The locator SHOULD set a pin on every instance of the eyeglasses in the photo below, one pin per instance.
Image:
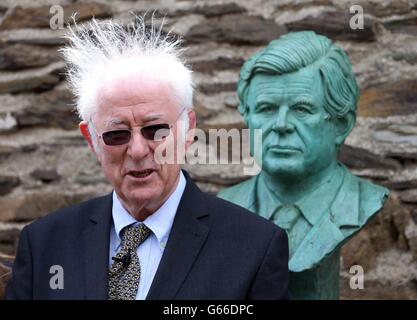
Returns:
(154, 132)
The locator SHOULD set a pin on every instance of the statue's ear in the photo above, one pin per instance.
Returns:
(243, 110)
(245, 119)
(344, 126)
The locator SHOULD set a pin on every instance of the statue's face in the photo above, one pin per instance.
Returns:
(298, 139)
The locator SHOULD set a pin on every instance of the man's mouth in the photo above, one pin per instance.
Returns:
(284, 147)
(285, 150)
(140, 174)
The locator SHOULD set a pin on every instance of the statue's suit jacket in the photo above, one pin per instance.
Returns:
(216, 250)
(317, 257)
(355, 203)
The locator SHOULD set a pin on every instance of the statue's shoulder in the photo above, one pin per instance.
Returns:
(367, 197)
(372, 198)
(240, 193)
(356, 202)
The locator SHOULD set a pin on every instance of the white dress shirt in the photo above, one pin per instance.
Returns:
(151, 250)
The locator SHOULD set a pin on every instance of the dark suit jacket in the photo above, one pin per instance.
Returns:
(216, 250)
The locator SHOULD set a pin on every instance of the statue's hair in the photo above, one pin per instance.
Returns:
(104, 50)
(297, 50)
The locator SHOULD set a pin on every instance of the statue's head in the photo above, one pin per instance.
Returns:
(300, 90)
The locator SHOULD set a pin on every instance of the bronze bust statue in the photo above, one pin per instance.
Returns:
(301, 91)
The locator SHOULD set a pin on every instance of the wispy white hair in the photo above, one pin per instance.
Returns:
(104, 50)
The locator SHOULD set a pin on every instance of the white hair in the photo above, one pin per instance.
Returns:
(107, 49)
(104, 50)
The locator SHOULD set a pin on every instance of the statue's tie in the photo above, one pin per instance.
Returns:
(286, 216)
(124, 273)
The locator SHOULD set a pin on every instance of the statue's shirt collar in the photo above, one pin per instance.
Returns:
(312, 205)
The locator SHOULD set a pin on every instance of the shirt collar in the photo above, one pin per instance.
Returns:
(160, 222)
(310, 204)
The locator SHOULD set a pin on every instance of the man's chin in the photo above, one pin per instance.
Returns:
(284, 171)
(142, 195)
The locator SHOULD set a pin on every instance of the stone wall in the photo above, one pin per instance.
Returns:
(45, 164)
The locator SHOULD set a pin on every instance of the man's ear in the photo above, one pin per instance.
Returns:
(344, 126)
(192, 123)
(86, 134)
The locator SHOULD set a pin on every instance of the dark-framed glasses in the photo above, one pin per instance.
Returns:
(153, 132)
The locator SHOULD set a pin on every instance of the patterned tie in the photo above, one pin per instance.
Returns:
(124, 273)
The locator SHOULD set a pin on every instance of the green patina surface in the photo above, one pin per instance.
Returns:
(300, 90)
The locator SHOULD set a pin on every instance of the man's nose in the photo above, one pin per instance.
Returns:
(281, 124)
(138, 147)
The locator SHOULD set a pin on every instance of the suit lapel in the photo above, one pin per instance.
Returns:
(186, 239)
(96, 249)
(345, 208)
(322, 239)
(336, 224)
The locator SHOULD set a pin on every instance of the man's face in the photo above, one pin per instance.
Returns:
(137, 178)
(297, 139)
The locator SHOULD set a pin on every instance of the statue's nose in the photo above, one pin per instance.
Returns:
(282, 124)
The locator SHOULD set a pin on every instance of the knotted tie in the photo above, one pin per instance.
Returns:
(286, 216)
(124, 273)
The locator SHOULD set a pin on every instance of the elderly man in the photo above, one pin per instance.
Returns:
(156, 236)
(300, 90)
